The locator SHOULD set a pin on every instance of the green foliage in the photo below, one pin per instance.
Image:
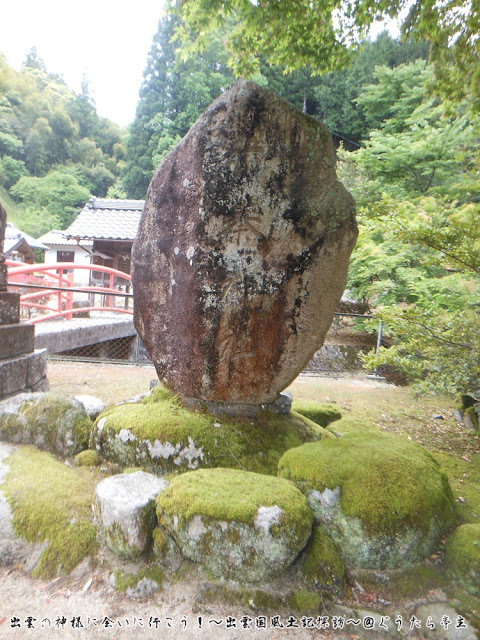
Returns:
(338, 95)
(419, 146)
(46, 129)
(56, 197)
(417, 258)
(322, 34)
(173, 95)
(11, 170)
(288, 34)
(435, 348)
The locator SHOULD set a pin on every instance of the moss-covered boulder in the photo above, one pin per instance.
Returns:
(125, 511)
(320, 565)
(320, 413)
(238, 525)
(470, 417)
(382, 499)
(462, 557)
(87, 458)
(162, 436)
(50, 421)
(51, 503)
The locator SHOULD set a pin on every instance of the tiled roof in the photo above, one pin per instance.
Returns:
(13, 237)
(55, 237)
(108, 219)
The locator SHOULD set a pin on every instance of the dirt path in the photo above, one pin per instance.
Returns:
(104, 613)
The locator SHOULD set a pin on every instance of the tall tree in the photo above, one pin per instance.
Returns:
(44, 124)
(172, 96)
(323, 33)
(417, 257)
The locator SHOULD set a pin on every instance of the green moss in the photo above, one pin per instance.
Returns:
(159, 541)
(160, 394)
(321, 414)
(236, 525)
(401, 584)
(303, 601)
(52, 502)
(50, 421)
(230, 495)
(462, 557)
(465, 401)
(87, 458)
(464, 478)
(472, 414)
(388, 482)
(320, 566)
(261, 600)
(125, 581)
(465, 604)
(351, 425)
(162, 436)
(264, 600)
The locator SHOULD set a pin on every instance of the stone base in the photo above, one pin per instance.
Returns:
(27, 372)
(16, 339)
(9, 307)
(282, 404)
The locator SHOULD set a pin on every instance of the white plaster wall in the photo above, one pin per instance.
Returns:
(81, 276)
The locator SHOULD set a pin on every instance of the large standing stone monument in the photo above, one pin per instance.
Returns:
(21, 367)
(242, 252)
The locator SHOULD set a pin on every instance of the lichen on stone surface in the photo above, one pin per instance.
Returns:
(383, 500)
(236, 524)
(52, 502)
(462, 557)
(162, 436)
(125, 511)
(50, 421)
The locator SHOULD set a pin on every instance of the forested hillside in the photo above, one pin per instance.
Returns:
(175, 92)
(55, 151)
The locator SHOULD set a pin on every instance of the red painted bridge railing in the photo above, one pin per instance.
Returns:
(51, 289)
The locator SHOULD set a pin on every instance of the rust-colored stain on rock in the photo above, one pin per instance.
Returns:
(242, 251)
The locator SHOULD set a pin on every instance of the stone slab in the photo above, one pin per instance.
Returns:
(18, 374)
(62, 335)
(16, 339)
(37, 369)
(9, 307)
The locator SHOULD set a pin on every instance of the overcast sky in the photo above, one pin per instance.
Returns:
(107, 40)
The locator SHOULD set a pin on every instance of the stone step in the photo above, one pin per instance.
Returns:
(27, 372)
(16, 339)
